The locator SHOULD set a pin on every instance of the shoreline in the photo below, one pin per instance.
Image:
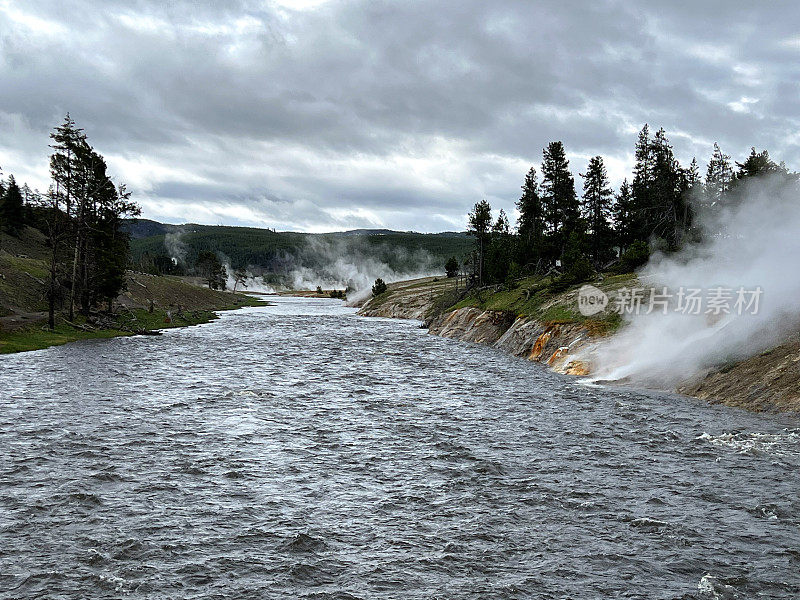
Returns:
(150, 303)
(35, 336)
(768, 382)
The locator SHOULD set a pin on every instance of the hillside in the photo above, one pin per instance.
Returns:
(149, 302)
(279, 252)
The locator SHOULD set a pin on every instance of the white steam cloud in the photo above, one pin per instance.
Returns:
(759, 246)
(175, 247)
(251, 282)
(340, 264)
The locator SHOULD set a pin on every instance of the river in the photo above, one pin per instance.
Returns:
(301, 451)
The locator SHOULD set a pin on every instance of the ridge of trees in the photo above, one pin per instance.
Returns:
(558, 231)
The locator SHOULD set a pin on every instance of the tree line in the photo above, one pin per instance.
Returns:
(560, 232)
(81, 215)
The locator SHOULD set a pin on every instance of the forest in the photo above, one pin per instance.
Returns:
(570, 236)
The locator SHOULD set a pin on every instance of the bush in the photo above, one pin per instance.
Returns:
(451, 267)
(577, 267)
(379, 287)
(514, 273)
(637, 254)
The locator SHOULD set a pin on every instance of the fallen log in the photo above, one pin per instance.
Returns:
(79, 326)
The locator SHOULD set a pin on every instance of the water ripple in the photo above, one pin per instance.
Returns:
(299, 451)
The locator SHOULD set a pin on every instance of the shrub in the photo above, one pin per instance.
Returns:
(637, 254)
(451, 267)
(379, 287)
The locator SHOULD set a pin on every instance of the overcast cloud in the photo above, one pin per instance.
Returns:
(326, 115)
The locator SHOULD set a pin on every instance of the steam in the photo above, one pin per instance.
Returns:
(353, 264)
(175, 247)
(331, 263)
(755, 242)
(251, 283)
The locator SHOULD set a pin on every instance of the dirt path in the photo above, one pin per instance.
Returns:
(21, 319)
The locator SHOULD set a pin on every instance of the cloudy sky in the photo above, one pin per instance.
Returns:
(320, 115)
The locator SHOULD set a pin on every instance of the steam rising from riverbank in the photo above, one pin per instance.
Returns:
(347, 263)
(755, 243)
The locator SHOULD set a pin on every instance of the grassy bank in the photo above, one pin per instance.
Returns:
(23, 306)
(541, 298)
(38, 336)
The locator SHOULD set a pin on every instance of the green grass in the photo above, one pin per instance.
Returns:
(534, 297)
(37, 337)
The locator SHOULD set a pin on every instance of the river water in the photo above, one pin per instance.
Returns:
(300, 451)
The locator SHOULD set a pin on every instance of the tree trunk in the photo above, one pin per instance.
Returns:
(480, 265)
(74, 278)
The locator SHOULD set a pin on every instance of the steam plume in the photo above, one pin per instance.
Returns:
(759, 246)
(175, 247)
(346, 263)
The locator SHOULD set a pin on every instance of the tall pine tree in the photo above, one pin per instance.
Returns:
(670, 214)
(498, 256)
(719, 176)
(479, 225)
(561, 207)
(596, 206)
(531, 224)
(625, 219)
(641, 187)
(758, 164)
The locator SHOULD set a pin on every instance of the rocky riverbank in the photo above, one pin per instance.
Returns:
(768, 382)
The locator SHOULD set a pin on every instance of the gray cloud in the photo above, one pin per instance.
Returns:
(374, 113)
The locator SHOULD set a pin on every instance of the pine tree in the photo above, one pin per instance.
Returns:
(379, 287)
(596, 207)
(66, 165)
(212, 270)
(480, 222)
(93, 211)
(641, 187)
(693, 179)
(67, 142)
(561, 206)
(12, 208)
(719, 176)
(658, 191)
(670, 215)
(531, 223)
(112, 244)
(624, 217)
(498, 256)
(451, 267)
(757, 165)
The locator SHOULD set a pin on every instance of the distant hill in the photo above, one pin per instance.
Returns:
(142, 228)
(280, 251)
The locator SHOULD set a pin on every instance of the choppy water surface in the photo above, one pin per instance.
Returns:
(299, 451)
